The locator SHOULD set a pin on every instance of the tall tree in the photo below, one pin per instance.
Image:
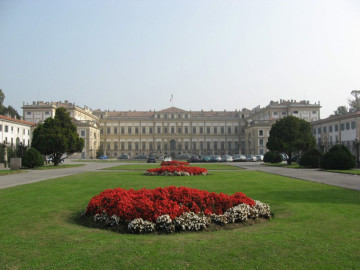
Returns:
(57, 137)
(341, 110)
(9, 110)
(354, 102)
(290, 134)
(2, 97)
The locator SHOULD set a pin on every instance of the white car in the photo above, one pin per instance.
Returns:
(167, 159)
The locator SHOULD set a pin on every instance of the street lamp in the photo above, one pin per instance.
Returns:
(356, 143)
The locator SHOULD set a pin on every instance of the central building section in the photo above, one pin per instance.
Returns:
(172, 131)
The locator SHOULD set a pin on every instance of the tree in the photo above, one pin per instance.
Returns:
(341, 110)
(354, 103)
(57, 136)
(290, 134)
(9, 110)
(2, 97)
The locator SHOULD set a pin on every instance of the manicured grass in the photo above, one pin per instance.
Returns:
(60, 166)
(292, 165)
(143, 167)
(110, 160)
(354, 171)
(8, 172)
(315, 226)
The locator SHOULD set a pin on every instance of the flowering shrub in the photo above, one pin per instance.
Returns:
(174, 163)
(171, 209)
(179, 170)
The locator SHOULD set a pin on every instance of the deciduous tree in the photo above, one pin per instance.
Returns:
(57, 137)
(290, 134)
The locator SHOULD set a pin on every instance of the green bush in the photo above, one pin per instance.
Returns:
(272, 157)
(32, 158)
(338, 158)
(311, 158)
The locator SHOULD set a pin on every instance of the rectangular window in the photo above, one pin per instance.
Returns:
(129, 130)
(222, 130)
(330, 128)
(122, 130)
(229, 145)
(172, 130)
(108, 130)
(208, 145)
(261, 142)
(108, 146)
(136, 131)
(314, 131)
(47, 113)
(296, 112)
(194, 145)
(194, 130)
(342, 126)
(236, 130)
(186, 130)
(179, 130)
(324, 129)
(151, 146)
(229, 130)
(136, 146)
(222, 145)
(115, 130)
(275, 113)
(313, 112)
(129, 145)
(353, 125)
(166, 116)
(28, 113)
(172, 116)
(186, 116)
(101, 131)
(201, 130)
(143, 130)
(283, 113)
(0, 127)
(143, 146)
(215, 146)
(165, 130)
(122, 146)
(115, 146)
(215, 130)
(83, 133)
(150, 130)
(319, 130)
(261, 132)
(347, 125)
(201, 145)
(336, 128)
(208, 130)
(6, 128)
(158, 130)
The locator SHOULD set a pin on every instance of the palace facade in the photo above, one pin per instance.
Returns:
(174, 131)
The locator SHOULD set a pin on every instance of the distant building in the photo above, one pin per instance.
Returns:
(87, 124)
(337, 129)
(14, 131)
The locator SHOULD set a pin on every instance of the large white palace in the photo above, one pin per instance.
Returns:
(173, 130)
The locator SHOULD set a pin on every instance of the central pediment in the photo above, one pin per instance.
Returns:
(172, 110)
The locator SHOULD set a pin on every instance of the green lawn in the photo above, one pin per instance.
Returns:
(60, 166)
(315, 226)
(292, 165)
(8, 172)
(143, 167)
(353, 171)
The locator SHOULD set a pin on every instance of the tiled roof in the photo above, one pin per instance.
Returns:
(16, 120)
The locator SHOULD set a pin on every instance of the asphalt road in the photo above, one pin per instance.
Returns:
(336, 179)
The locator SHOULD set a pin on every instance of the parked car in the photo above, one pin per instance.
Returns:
(251, 158)
(167, 159)
(123, 157)
(238, 158)
(151, 159)
(183, 157)
(205, 159)
(227, 158)
(295, 158)
(194, 159)
(215, 158)
(284, 156)
(103, 157)
(259, 157)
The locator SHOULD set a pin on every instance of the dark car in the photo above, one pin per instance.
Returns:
(205, 159)
(103, 157)
(194, 159)
(123, 157)
(151, 159)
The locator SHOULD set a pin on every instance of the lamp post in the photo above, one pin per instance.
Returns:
(356, 143)
(323, 146)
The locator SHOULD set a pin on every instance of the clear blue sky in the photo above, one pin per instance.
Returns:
(132, 55)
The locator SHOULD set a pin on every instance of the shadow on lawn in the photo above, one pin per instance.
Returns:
(340, 196)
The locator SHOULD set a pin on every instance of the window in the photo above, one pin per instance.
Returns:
(261, 132)
(208, 130)
(150, 130)
(353, 125)
(222, 130)
(143, 130)
(137, 146)
(194, 130)
(342, 126)
(201, 145)
(347, 126)
(179, 116)
(215, 130)
(336, 128)
(151, 146)
(229, 145)
(129, 145)
(0, 127)
(166, 116)
(101, 131)
(186, 130)
(28, 113)
(172, 130)
(319, 130)
(165, 146)
(194, 145)
(115, 130)
(129, 130)
(108, 130)
(158, 115)
(330, 128)
(222, 145)
(314, 131)
(83, 133)
(208, 145)
(313, 112)
(261, 142)
(215, 145)
(283, 113)
(172, 116)
(108, 146)
(186, 145)
(236, 130)
(47, 113)
(275, 113)
(158, 130)
(229, 130)
(136, 131)
(165, 130)
(143, 146)
(122, 130)
(115, 146)
(186, 116)
(201, 130)
(179, 130)
(295, 112)
(324, 129)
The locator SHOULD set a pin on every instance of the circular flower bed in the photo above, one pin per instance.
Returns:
(171, 209)
(179, 170)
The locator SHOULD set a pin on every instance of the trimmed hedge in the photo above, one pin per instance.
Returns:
(338, 158)
(272, 157)
(32, 158)
(311, 158)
